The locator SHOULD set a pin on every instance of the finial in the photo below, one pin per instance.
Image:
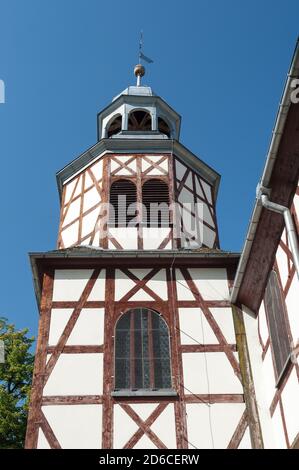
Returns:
(139, 72)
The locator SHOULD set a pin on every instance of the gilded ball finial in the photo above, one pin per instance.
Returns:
(139, 70)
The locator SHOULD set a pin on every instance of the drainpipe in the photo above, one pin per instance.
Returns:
(288, 220)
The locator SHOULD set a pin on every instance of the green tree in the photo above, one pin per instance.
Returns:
(15, 381)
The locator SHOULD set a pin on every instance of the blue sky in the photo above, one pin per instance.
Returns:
(220, 64)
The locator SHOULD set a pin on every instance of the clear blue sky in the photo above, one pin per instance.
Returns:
(220, 64)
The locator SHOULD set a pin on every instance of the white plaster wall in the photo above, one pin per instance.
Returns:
(164, 427)
(76, 426)
(208, 237)
(123, 428)
(209, 373)
(76, 374)
(155, 171)
(153, 237)
(42, 442)
(207, 190)
(91, 198)
(70, 235)
(280, 441)
(212, 427)
(70, 283)
(196, 329)
(290, 402)
(263, 327)
(282, 262)
(246, 441)
(211, 282)
(88, 329)
(263, 377)
(292, 308)
(126, 237)
(98, 290)
(89, 222)
(73, 212)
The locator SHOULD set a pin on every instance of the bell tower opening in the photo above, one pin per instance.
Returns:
(163, 127)
(115, 126)
(140, 121)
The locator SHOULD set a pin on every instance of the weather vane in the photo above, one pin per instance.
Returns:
(141, 56)
(139, 69)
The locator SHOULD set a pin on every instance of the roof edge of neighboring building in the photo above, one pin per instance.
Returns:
(277, 133)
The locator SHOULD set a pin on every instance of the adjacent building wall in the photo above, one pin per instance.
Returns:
(278, 403)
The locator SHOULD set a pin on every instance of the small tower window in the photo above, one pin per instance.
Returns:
(142, 352)
(115, 126)
(163, 127)
(123, 203)
(140, 121)
(155, 200)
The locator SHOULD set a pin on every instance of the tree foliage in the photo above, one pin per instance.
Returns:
(15, 381)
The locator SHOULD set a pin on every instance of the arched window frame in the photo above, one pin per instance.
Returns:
(132, 386)
(147, 114)
(110, 122)
(168, 125)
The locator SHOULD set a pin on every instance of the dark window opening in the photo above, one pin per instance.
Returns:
(276, 315)
(123, 203)
(140, 121)
(142, 352)
(155, 200)
(163, 127)
(115, 126)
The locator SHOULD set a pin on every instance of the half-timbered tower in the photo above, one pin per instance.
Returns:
(138, 346)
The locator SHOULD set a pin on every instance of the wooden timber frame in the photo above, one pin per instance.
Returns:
(44, 267)
(102, 183)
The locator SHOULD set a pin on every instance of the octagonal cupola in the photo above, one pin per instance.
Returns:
(137, 112)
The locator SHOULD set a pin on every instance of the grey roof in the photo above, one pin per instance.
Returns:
(136, 91)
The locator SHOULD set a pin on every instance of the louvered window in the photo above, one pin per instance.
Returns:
(155, 200)
(123, 203)
(276, 315)
(142, 353)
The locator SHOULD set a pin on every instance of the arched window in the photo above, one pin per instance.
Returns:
(163, 127)
(276, 315)
(115, 126)
(123, 200)
(140, 121)
(155, 200)
(142, 352)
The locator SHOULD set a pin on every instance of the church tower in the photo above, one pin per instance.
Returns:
(138, 344)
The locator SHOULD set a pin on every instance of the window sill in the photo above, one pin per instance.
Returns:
(145, 393)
